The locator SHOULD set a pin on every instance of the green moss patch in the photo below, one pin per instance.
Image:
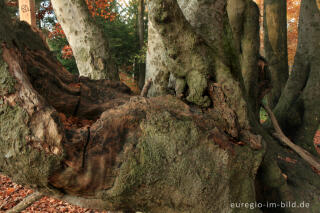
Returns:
(7, 82)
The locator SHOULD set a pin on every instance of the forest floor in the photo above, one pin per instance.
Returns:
(11, 193)
(129, 81)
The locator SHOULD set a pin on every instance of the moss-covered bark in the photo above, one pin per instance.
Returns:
(197, 56)
(151, 155)
(139, 155)
(27, 165)
(187, 56)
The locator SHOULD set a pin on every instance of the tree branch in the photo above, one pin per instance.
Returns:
(281, 136)
(26, 202)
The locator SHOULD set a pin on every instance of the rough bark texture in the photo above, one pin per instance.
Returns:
(298, 108)
(155, 63)
(275, 44)
(89, 45)
(152, 155)
(197, 55)
(156, 58)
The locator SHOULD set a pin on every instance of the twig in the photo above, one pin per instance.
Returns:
(4, 202)
(26, 202)
(146, 88)
(281, 136)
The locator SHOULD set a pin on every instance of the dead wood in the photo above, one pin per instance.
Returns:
(314, 162)
(26, 202)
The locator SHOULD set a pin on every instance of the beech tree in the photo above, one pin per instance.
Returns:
(141, 35)
(298, 107)
(90, 48)
(199, 150)
(275, 44)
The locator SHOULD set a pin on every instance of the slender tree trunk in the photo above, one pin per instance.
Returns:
(244, 19)
(89, 45)
(141, 29)
(275, 44)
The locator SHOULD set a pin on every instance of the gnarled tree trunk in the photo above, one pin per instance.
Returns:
(138, 154)
(156, 155)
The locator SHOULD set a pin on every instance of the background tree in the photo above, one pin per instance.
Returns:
(90, 48)
(275, 45)
(298, 107)
(117, 23)
(293, 10)
(141, 32)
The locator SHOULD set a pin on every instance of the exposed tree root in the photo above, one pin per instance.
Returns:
(281, 136)
(146, 87)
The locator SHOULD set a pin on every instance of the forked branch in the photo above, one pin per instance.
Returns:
(309, 158)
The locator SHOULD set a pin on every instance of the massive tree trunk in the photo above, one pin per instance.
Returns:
(159, 154)
(89, 45)
(138, 153)
(298, 109)
(275, 44)
(153, 155)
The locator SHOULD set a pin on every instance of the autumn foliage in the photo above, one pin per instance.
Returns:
(101, 8)
(293, 9)
(12, 3)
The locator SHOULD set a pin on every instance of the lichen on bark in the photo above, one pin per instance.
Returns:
(7, 82)
(26, 165)
(182, 162)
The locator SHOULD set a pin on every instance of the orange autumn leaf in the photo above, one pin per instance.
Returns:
(9, 191)
(100, 8)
